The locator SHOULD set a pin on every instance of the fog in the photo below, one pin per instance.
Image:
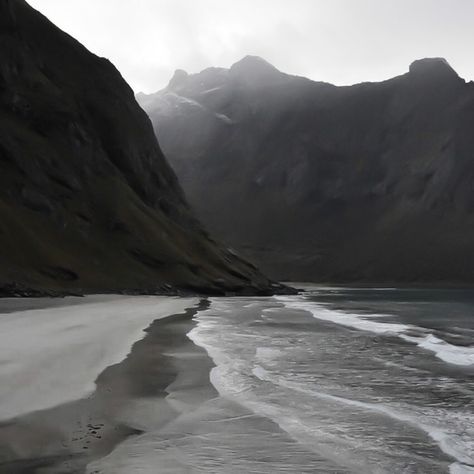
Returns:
(339, 41)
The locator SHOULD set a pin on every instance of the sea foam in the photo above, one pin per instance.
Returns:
(457, 355)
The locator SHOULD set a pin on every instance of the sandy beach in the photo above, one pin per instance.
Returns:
(154, 408)
(55, 422)
(140, 385)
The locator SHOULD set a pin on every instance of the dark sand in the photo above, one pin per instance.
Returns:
(66, 438)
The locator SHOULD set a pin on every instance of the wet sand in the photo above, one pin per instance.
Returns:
(196, 429)
(66, 438)
(156, 411)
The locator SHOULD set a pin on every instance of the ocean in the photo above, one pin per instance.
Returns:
(335, 380)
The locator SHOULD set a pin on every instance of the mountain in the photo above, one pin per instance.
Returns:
(88, 202)
(366, 183)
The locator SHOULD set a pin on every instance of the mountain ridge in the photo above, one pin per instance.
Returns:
(372, 180)
(88, 202)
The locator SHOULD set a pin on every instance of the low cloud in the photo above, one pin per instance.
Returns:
(338, 41)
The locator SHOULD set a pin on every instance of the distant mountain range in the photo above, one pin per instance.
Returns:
(367, 183)
(88, 202)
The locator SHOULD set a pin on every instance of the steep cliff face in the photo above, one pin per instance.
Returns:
(88, 202)
(372, 182)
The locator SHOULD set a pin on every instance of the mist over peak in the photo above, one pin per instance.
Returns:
(256, 71)
(179, 78)
(253, 68)
(251, 63)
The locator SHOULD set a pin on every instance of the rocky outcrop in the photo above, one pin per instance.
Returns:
(367, 183)
(88, 202)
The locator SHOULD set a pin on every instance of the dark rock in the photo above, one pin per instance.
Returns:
(367, 183)
(430, 68)
(88, 202)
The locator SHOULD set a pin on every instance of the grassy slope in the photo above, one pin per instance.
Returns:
(87, 200)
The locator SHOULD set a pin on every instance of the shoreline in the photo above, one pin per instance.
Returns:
(67, 437)
(383, 285)
(162, 406)
(283, 287)
(208, 430)
(14, 290)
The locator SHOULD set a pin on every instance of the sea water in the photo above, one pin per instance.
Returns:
(332, 380)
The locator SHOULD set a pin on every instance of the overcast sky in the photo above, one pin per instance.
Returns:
(338, 41)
